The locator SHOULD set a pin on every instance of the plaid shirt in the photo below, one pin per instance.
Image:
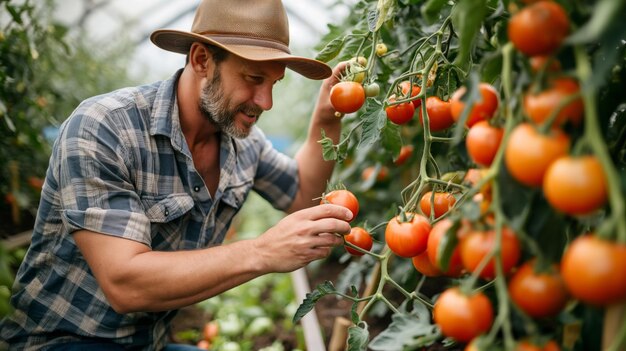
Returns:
(121, 166)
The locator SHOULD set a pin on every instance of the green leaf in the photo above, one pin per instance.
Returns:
(385, 9)
(405, 330)
(353, 313)
(374, 121)
(311, 298)
(390, 138)
(432, 9)
(329, 153)
(605, 14)
(331, 50)
(467, 17)
(358, 338)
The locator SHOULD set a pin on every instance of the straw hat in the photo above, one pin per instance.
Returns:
(256, 30)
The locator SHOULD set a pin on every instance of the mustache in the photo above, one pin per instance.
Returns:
(251, 109)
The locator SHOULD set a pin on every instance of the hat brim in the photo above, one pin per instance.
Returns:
(180, 42)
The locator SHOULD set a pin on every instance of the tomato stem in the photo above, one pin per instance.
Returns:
(594, 137)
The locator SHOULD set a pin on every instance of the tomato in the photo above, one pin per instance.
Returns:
(347, 97)
(528, 154)
(355, 72)
(35, 182)
(593, 270)
(360, 60)
(407, 235)
(405, 153)
(439, 114)
(442, 203)
(381, 176)
(539, 28)
(415, 90)
(455, 266)
(381, 49)
(483, 109)
(482, 142)
(477, 244)
(203, 345)
(343, 198)
(463, 317)
(575, 185)
(400, 113)
(551, 64)
(372, 90)
(527, 345)
(423, 265)
(210, 330)
(361, 238)
(538, 294)
(538, 107)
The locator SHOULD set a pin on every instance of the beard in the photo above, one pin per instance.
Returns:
(216, 107)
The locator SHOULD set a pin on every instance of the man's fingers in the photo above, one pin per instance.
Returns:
(327, 211)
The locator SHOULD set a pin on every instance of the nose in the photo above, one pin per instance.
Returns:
(263, 97)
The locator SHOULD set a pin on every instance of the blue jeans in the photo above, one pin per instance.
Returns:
(103, 346)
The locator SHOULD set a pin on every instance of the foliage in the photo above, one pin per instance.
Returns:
(443, 46)
(45, 71)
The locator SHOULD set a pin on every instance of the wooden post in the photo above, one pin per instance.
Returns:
(339, 337)
(614, 320)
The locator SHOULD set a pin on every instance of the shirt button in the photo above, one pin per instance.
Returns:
(167, 212)
(196, 188)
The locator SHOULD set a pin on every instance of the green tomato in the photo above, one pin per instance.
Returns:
(260, 325)
(372, 90)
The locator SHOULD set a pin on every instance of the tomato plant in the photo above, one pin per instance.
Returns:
(405, 153)
(347, 97)
(342, 197)
(407, 234)
(463, 317)
(361, 238)
(524, 91)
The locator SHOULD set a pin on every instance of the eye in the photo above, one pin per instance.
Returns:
(256, 79)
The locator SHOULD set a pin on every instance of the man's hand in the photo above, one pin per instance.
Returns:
(302, 237)
(324, 112)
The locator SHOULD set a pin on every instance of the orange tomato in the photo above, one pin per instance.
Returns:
(538, 107)
(482, 109)
(539, 28)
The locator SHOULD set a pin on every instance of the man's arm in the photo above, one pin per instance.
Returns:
(313, 171)
(135, 278)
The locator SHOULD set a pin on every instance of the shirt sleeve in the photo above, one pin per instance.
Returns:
(94, 176)
(276, 179)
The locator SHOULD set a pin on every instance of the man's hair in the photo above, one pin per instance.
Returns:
(218, 54)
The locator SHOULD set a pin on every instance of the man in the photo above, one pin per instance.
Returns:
(143, 183)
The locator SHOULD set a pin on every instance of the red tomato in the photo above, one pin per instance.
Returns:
(439, 114)
(463, 317)
(538, 62)
(483, 142)
(483, 109)
(400, 113)
(575, 185)
(538, 107)
(455, 266)
(478, 244)
(593, 270)
(527, 345)
(528, 154)
(361, 238)
(538, 294)
(423, 265)
(343, 198)
(405, 153)
(407, 237)
(383, 173)
(347, 97)
(539, 28)
(210, 331)
(442, 203)
(415, 90)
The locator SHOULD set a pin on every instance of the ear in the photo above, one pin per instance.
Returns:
(200, 59)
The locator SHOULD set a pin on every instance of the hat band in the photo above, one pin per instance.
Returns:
(247, 41)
